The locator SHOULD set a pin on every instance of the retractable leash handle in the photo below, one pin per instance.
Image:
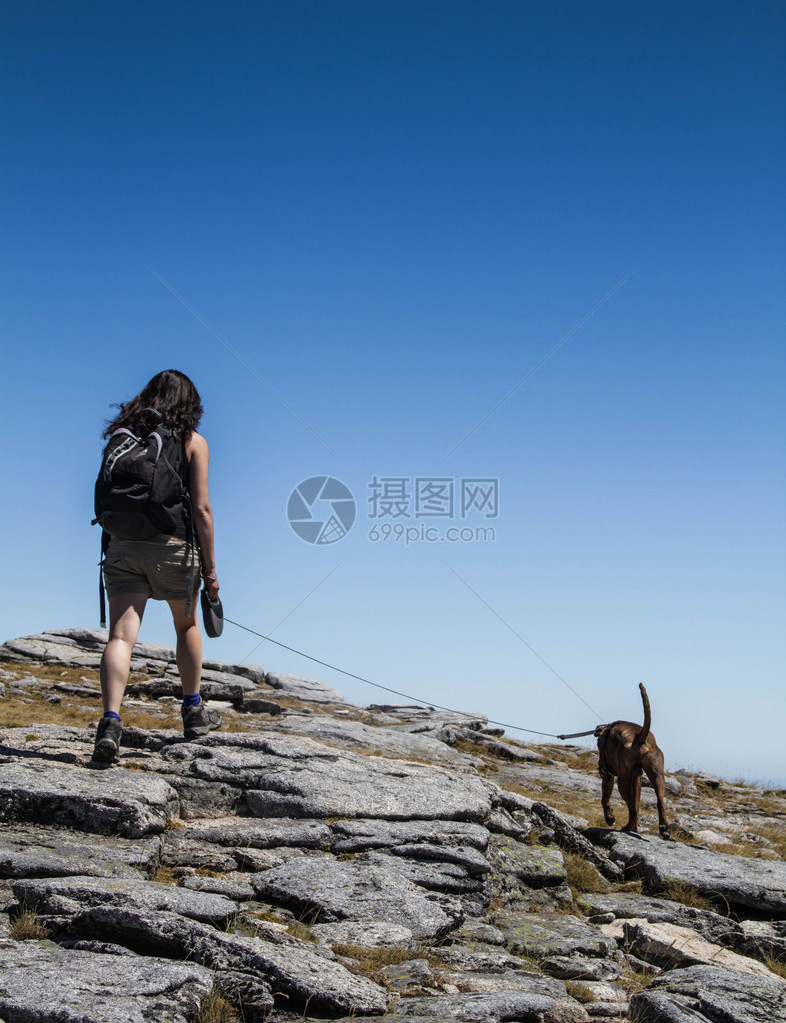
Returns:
(212, 615)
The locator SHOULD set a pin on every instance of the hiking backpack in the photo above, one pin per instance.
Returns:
(141, 490)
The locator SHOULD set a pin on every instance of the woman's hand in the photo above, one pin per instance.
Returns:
(211, 586)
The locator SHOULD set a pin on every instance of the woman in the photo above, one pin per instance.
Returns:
(162, 566)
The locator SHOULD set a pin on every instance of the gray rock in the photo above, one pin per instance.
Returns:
(672, 947)
(567, 837)
(706, 779)
(107, 802)
(49, 742)
(739, 880)
(485, 981)
(656, 1007)
(605, 1010)
(436, 877)
(538, 778)
(200, 799)
(33, 851)
(54, 650)
(306, 689)
(41, 984)
(362, 835)
(511, 801)
(351, 890)
(106, 947)
(354, 786)
(237, 888)
(2, 691)
(581, 968)
(420, 718)
(496, 747)
(10, 656)
(253, 672)
(761, 938)
(297, 968)
(288, 776)
(550, 934)
(607, 994)
(366, 934)
(256, 860)
(391, 742)
(185, 851)
(59, 895)
(251, 832)
(226, 678)
(469, 960)
(499, 1007)
(90, 639)
(479, 931)
(411, 973)
(470, 860)
(537, 866)
(221, 686)
(256, 702)
(90, 691)
(625, 905)
(504, 823)
(713, 994)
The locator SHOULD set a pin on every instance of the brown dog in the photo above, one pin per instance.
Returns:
(624, 751)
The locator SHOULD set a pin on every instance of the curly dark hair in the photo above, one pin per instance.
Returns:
(172, 394)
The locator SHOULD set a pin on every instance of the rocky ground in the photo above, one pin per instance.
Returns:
(320, 861)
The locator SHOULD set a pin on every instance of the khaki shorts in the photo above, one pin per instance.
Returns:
(161, 569)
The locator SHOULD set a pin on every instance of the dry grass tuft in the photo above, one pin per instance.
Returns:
(14, 713)
(636, 887)
(301, 931)
(582, 875)
(150, 720)
(633, 980)
(166, 875)
(369, 961)
(50, 672)
(579, 990)
(776, 965)
(678, 891)
(216, 1009)
(775, 841)
(27, 927)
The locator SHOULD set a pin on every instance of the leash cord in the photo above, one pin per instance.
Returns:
(387, 689)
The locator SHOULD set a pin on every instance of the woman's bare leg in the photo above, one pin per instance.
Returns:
(189, 646)
(125, 618)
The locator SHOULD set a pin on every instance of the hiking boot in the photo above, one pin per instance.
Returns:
(198, 721)
(107, 740)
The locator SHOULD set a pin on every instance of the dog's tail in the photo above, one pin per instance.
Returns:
(641, 736)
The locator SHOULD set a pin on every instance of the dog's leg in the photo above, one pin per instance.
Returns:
(658, 784)
(607, 787)
(630, 790)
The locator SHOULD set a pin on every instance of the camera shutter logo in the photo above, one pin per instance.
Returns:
(321, 510)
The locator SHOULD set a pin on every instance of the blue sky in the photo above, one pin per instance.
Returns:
(392, 213)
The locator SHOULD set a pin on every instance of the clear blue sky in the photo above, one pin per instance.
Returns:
(393, 212)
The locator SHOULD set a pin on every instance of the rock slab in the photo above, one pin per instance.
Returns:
(41, 984)
(741, 881)
(710, 993)
(106, 802)
(330, 890)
